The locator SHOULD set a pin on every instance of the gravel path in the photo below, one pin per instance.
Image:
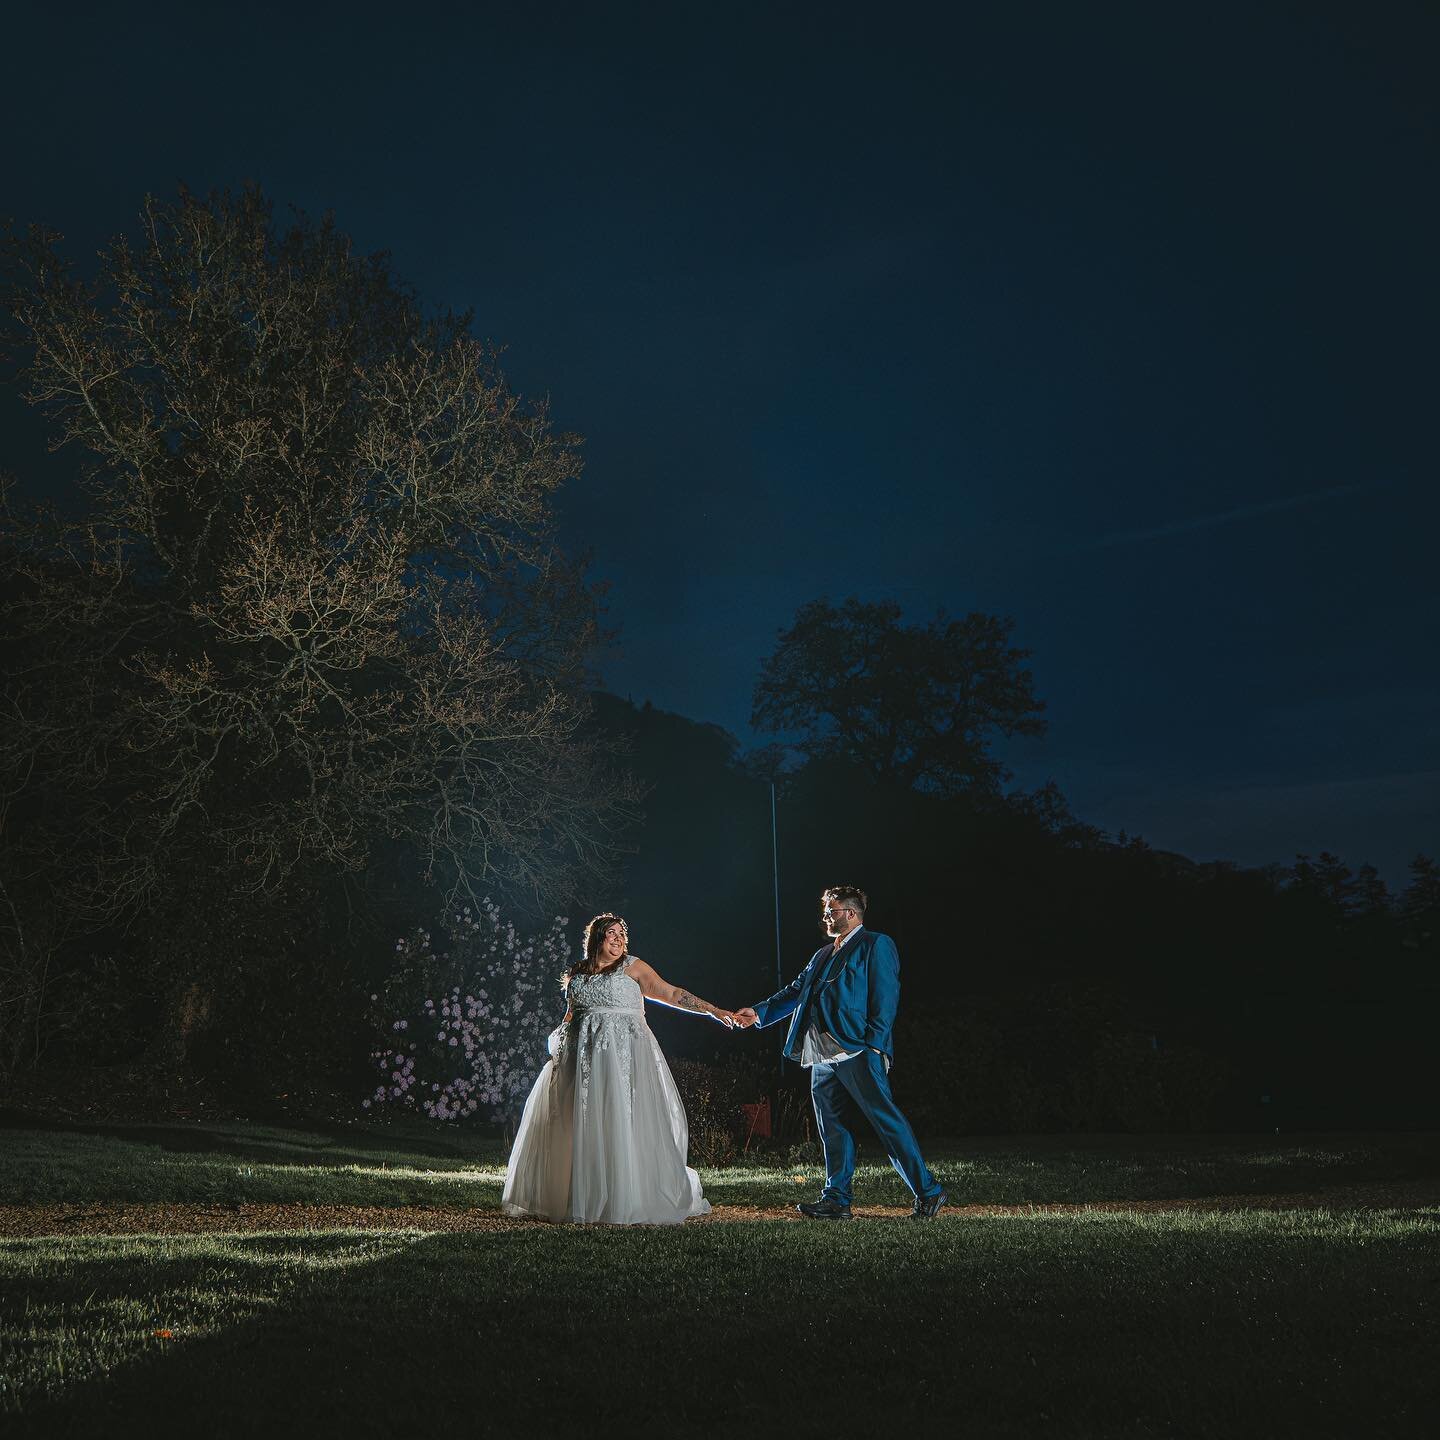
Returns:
(33, 1221)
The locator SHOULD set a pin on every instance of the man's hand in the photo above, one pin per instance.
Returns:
(745, 1017)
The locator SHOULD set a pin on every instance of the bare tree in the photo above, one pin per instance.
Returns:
(314, 605)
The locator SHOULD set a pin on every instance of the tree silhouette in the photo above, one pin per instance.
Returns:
(1328, 878)
(1372, 895)
(918, 706)
(1422, 895)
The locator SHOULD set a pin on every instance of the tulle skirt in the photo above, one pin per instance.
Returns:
(603, 1137)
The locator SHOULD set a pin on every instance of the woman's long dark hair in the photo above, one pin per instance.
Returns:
(589, 963)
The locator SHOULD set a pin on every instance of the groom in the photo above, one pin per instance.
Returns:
(843, 1003)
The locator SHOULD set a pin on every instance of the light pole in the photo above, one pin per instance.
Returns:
(775, 871)
(775, 877)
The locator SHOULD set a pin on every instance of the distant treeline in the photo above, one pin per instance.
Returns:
(1052, 977)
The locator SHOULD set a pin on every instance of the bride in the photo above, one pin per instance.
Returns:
(603, 1136)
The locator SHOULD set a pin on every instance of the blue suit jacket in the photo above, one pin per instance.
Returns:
(853, 995)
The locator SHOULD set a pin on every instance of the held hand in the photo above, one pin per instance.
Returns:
(745, 1017)
(725, 1018)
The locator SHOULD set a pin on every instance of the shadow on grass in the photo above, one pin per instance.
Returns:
(1275, 1326)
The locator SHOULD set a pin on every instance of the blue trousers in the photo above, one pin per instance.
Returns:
(860, 1083)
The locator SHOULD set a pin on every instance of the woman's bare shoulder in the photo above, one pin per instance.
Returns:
(640, 972)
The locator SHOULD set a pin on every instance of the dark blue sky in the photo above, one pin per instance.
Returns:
(1118, 319)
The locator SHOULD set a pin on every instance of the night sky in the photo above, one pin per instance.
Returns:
(1117, 319)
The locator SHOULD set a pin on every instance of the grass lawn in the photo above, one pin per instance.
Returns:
(1315, 1322)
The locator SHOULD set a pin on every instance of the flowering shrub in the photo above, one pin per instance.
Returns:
(467, 1027)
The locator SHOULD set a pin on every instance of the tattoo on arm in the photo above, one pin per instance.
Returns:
(684, 1000)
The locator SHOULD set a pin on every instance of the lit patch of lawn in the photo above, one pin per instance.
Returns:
(47, 1167)
(263, 1165)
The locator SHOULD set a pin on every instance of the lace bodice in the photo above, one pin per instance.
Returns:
(612, 990)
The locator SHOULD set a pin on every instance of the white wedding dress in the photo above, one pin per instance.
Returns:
(603, 1137)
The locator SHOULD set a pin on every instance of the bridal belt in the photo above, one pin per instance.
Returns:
(608, 1010)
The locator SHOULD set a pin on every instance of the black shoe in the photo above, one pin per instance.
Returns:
(823, 1209)
(929, 1208)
